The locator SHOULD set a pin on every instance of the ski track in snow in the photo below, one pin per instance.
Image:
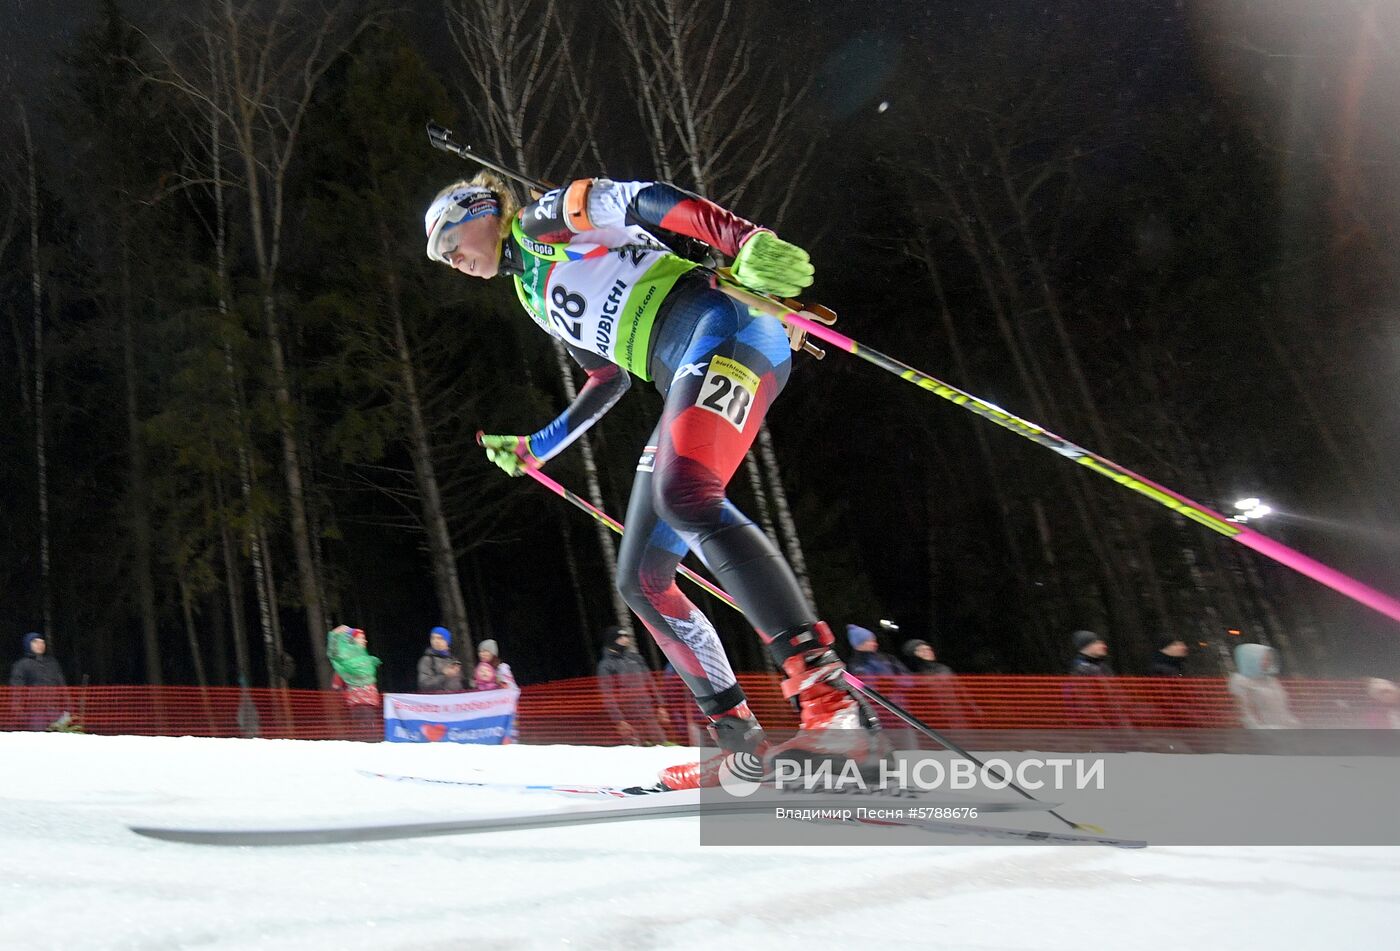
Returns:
(73, 877)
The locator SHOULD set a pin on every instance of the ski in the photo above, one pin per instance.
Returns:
(659, 805)
(577, 790)
(586, 791)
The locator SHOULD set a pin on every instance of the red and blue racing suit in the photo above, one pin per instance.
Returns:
(589, 269)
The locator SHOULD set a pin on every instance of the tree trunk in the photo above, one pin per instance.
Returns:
(606, 545)
(191, 631)
(265, 227)
(585, 624)
(41, 457)
(760, 498)
(267, 601)
(140, 513)
(310, 586)
(792, 542)
(440, 551)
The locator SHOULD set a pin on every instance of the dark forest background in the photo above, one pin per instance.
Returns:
(238, 402)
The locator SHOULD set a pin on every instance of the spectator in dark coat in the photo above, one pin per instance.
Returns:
(438, 670)
(944, 697)
(922, 660)
(1170, 657)
(629, 693)
(1093, 702)
(868, 660)
(37, 668)
(1092, 657)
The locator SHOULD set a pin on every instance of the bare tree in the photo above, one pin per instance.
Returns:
(514, 62)
(207, 168)
(695, 68)
(36, 286)
(272, 57)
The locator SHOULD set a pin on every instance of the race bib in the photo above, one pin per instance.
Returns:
(728, 390)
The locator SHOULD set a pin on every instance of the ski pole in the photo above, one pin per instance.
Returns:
(871, 693)
(616, 526)
(856, 684)
(1195, 511)
(816, 323)
(579, 502)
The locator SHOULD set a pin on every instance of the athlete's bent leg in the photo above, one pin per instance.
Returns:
(708, 425)
(651, 551)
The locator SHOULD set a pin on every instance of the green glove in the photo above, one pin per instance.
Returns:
(511, 453)
(768, 264)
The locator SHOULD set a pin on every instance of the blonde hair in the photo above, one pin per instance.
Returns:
(510, 205)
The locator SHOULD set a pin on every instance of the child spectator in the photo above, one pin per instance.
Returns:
(491, 672)
(356, 672)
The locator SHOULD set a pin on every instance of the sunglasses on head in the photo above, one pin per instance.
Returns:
(467, 209)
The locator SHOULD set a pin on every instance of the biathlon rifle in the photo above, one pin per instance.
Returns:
(440, 137)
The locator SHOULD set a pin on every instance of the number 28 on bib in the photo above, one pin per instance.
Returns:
(728, 390)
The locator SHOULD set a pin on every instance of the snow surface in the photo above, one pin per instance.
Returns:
(73, 877)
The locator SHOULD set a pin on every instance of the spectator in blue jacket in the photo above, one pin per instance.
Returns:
(868, 660)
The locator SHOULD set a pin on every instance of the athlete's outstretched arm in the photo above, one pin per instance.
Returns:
(606, 384)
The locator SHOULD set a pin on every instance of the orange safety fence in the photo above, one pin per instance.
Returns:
(580, 711)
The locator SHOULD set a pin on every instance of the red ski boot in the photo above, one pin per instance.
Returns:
(739, 735)
(836, 724)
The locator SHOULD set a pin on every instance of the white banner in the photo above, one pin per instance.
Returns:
(484, 716)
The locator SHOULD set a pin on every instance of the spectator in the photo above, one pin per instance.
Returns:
(438, 670)
(922, 659)
(1262, 702)
(868, 660)
(629, 692)
(1384, 713)
(1092, 657)
(37, 668)
(1170, 657)
(356, 672)
(945, 699)
(1093, 703)
(491, 673)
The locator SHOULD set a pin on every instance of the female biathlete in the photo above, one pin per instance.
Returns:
(589, 267)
